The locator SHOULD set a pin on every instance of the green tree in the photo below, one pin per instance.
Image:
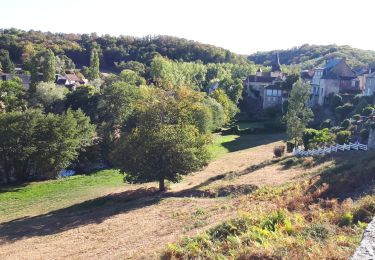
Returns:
(12, 94)
(49, 67)
(164, 144)
(132, 78)
(229, 107)
(6, 63)
(46, 93)
(298, 114)
(94, 64)
(38, 146)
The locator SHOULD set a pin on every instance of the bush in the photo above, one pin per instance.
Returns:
(335, 101)
(356, 117)
(232, 227)
(289, 146)
(361, 105)
(343, 136)
(345, 123)
(273, 220)
(346, 219)
(278, 151)
(364, 134)
(317, 232)
(344, 111)
(367, 111)
(326, 123)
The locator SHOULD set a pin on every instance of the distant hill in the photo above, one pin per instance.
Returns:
(309, 56)
(113, 49)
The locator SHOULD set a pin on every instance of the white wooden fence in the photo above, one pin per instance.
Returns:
(331, 149)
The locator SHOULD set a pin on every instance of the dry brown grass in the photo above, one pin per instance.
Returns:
(123, 228)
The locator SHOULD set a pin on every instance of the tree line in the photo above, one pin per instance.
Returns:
(113, 50)
(154, 124)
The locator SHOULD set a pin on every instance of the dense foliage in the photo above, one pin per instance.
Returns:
(309, 56)
(34, 145)
(113, 50)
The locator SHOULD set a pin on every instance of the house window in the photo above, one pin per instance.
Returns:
(269, 92)
(353, 83)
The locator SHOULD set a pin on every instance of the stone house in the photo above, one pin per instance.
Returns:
(264, 87)
(333, 78)
(369, 84)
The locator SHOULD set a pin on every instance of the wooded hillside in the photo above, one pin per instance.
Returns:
(77, 47)
(309, 56)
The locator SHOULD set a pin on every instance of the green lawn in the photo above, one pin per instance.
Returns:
(232, 143)
(42, 197)
(245, 125)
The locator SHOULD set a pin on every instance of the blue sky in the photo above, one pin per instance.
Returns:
(243, 26)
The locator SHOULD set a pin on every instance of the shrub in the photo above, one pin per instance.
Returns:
(364, 134)
(346, 219)
(365, 212)
(326, 123)
(289, 146)
(343, 136)
(344, 111)
(317, 232)
(278, 151)
(356, 117)
(335, 101)
(345, 123)
(271, 221)
(361, 105)
(232, 227)
(367, 111)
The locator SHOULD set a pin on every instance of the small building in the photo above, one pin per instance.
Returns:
(25, 78)
(335, 77)
(260, 87)
(370, 84)
(70, 80)
(273, 96)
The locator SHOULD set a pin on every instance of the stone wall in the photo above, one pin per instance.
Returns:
(366, 250)
(371, 139)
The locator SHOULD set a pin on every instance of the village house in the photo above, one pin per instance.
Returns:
(335, 77)
(265, 87)
(369, 84)
(70, 80)
(26, 79)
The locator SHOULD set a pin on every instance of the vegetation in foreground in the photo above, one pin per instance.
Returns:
(311, 219)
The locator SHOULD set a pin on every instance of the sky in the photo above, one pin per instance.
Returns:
(242, 26)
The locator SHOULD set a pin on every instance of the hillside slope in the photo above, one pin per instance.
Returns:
(21, 44)
(309, 56)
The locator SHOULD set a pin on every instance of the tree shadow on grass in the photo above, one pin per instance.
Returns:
(249, 141)
(88, 212)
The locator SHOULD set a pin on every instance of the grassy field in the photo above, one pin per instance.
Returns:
(41, 197)
(244, 203)
(232, 143)
(245, 125)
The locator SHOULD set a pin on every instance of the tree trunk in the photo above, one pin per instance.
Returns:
(161, 184)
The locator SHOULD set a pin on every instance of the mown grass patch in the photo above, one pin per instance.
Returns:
(41, 197)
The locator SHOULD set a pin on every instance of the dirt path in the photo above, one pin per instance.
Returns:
(119, 229)
(236, 161)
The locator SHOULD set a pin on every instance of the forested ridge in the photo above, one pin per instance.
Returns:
(309, 56)
(113, 50)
